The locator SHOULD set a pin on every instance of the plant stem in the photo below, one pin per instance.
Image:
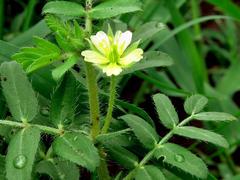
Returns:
(163, 140)
(46, 129)
(112, 97)
(103, 172)
(1, 18)
(92, 82)
(93, 99)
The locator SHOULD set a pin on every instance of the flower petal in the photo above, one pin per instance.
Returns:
(112, 69)
(94, 57)
(134, 56)
(122, 41)
(101, 42)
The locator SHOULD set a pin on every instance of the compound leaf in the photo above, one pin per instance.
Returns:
(77, 148)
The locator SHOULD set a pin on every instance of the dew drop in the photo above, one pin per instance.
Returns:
(179, 158)
(20, 161)
(159, 25)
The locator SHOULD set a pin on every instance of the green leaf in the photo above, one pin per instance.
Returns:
(201, 134)
(183, 159)
(185, 26)
(58, 169)
(41, 62)
(25, 38)
(124, 157)
(58, 72)
(228, 7)
(41, 80)
(147, 31)
(64, 8)
(229, 83)
(119, 176)
(108, 136)
(185, 38)
(151, 59)
(149, 172)
(46, 45)
(214, 116)
(63, 102)
(134, 109)
(195, 103)
(18, 92)
(144, 131)
(68, 34)
(43, 54)
(78, 149)
(7, 50)
(56, 24)
(161, 81)
(166, 111)
(113, 8)
(21, 154)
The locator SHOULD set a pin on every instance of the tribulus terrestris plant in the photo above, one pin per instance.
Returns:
(72, 129)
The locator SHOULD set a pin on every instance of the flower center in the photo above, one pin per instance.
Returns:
(113, 55)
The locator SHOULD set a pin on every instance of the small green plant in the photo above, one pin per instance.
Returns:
(92, 139)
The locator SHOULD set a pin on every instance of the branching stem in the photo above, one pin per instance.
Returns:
(163, 140)
(45, 129)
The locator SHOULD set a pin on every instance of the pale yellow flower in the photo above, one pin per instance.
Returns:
(113, 53)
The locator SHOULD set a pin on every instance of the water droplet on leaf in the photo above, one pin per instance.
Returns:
(159, 25)
(20, 161)
(179, 158)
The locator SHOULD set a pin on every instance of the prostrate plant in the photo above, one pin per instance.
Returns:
(82, 139)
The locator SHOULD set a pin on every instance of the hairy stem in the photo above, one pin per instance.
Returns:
(102, 171)
(93, 99)
(112, 97)
(46, 129)
(92, 83)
